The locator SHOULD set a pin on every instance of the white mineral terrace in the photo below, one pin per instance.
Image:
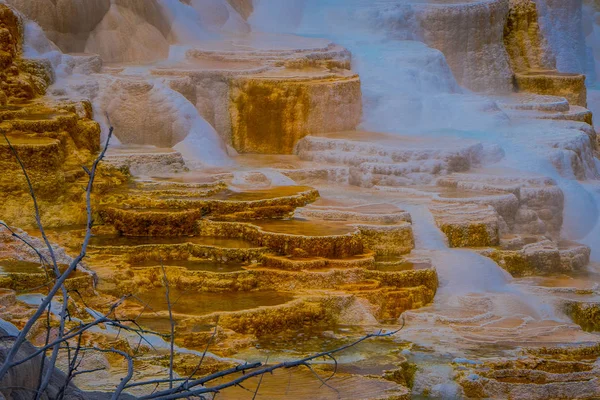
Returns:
(455, 137)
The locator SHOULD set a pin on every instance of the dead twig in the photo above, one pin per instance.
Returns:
(255, 370)
(59, 284)
(172, 323)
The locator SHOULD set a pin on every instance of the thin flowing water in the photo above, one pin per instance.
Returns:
(409, 89)
(437, 82)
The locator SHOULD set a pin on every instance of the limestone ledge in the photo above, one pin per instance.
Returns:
(258, 100)
(20, 79)
(476, 53)
(288, 263)
(271, 114)
(537, 106)
(376, 159)
(27, 272)
(171, 199)
(541, 258)
(166, 187)
(267, 279)
(355, 214)
(26, 281)
(467, 225)
(53, 138)
(139, 163)
(182, 251)
(51, 146)
(334, 246)
(324, 55)
(531, 377)
(570, 86)
(145, 214)
(533, 102)
(525, 44)
(266, 319)
(152, 222)
(575, 113)
(526, 205)
(584, 313)
(305, 310)
(385, 239)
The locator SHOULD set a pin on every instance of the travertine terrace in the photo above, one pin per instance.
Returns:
(295, 174)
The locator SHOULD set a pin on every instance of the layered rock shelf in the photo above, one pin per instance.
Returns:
(476, 53)
(570, 86)
(284, 178)
(262, 93)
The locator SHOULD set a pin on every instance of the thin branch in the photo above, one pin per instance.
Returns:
(210, 340)
(188, 387)
(323, 382)
(172, 322)
(20, 339)
(36, 207)
(88, 371)
(129, 375)
(216, 375)
(83, 328)
(46, 380)
(171, 394)
(260, 381)
(127, 378)
(42, 258)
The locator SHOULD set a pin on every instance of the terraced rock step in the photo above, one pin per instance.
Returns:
(22, 276)
(391, 160)
(480, 63)
(156, 213)
(347, 387)
(289, 263)
(549, 82)
(537, 256)
(267, 293)
(193, 264)
(40, 152)
(375, 213)
(51, 142)
(517, 204)
(22, 271)
(467, 225)
(261, 92)
(280, 272)
(584, 313)
(530, 106)
(573, 292)
(154, 249)
(272, 111)
(575, 113)
(273, 50)
(537, 373)
(143, 161)
(320, 239)
(533, 102)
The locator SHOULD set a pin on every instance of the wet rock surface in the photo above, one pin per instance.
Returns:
(245, 173)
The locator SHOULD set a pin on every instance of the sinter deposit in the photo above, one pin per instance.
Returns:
(298, 174)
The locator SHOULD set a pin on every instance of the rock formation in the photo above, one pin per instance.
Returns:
(301, 173)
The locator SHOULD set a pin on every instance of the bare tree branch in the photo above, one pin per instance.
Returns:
(172, 323)
(259, 382)
(59, 284)
(45, 381)
(171, 394)
(127, 378)
(188, 387)
(42, 258)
